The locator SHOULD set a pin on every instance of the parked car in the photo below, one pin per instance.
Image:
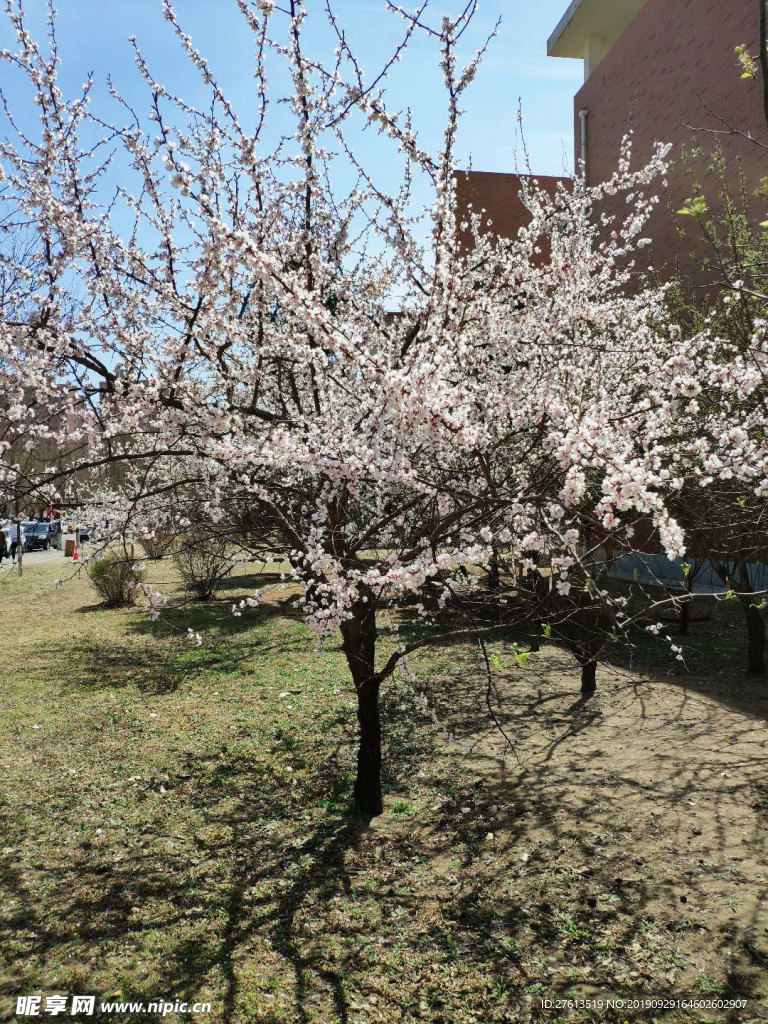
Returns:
(37, 536)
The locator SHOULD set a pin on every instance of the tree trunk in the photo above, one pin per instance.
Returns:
(755, 639)
(588, 676)
(685, 616)
(359, 642)
(585, 644)
(764, 54)
(368, 796)
(493, 569)
(538, 592)
(755, 621)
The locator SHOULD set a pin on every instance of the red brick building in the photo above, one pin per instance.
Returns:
(668, 69)
(498, 195)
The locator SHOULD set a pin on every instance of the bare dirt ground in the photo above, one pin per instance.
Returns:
(625, 834)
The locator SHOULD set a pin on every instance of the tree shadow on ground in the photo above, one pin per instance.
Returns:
(230, 899)
(714, 664)
(102, 666)
(506, 875)
(209, 617)
(253, 581)
(229, 643)
(99, 901)
(576, 779)
(87, 609)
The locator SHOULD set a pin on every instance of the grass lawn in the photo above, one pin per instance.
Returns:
(175, 823)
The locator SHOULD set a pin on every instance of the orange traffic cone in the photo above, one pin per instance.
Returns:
(76, 554)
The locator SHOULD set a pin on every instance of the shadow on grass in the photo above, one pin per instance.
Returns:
(210, 917)
(256, 890)
(111, 666)
(87, 609)
(230, 903)
(216, 616)
(250, 892)
(253, 581)
(230, 643)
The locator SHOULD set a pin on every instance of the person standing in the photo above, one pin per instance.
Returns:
(3, 546)
(16, 539)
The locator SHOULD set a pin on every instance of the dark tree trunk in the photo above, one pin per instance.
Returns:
(359, 642)
(493, 569)
(368, 796)
(755, 621)
(585, 644)
(537, 592)
(685, 616)
(755, 639)
(588, 676)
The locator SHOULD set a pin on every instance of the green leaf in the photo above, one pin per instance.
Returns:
(747, 62)
(696, 206)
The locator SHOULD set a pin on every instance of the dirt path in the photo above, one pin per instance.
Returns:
(629, 843)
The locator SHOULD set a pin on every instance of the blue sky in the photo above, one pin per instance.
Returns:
(93, 37)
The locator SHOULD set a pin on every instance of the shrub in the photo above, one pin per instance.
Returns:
(159, 545)
(116, 578)
(203, 566)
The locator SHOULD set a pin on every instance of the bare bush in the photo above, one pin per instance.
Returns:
(159, 544)
(116, 578)
(203, 566)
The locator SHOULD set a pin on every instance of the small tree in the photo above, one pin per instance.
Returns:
(319, 347)
(727, 519)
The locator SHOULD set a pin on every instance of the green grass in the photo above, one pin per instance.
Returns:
(176, 823)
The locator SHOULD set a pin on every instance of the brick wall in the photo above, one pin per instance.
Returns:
(499, 195)
(673, 62)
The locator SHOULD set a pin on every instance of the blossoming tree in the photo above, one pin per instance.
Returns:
(251, 314)
(726, 521)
